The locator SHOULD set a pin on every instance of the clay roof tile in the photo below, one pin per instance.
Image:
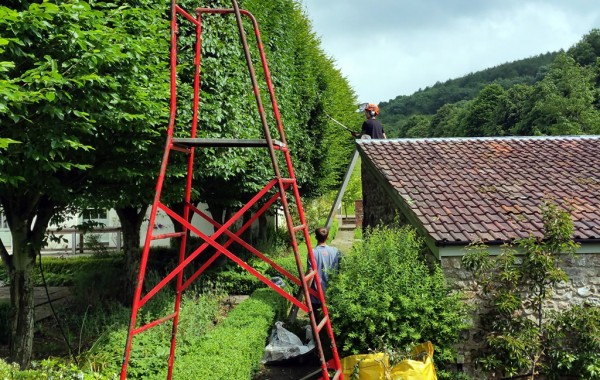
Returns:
(492, 188)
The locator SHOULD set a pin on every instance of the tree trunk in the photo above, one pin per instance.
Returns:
(131, 219)
(22, 313)
(28, 216)
(21, 298)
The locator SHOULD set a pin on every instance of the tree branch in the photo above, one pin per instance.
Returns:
(45, 210)
(5, 256)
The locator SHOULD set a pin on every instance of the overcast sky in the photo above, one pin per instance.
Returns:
(388, 48)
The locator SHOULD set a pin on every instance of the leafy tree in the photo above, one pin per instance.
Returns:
(481, 116)
(512, 287)
(415, 126)
(131, 136)
(515, 107)
(446, 121)
(563, 102)
(71, 61)
(587, 50)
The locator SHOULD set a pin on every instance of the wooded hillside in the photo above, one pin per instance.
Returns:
(553, 93)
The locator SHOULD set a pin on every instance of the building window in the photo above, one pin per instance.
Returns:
(94, 214)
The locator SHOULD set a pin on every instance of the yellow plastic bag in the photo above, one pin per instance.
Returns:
(421, 368)
(377, 366)
(365, 367)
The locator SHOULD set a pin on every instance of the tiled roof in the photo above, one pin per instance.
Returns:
(491, 189)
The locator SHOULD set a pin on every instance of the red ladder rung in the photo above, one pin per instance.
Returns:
(299, 228)
(322, 323)
(169, 235)
(154, 323)
(288, 180)
(309, 276)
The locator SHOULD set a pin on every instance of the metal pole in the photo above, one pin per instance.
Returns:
(342, 189)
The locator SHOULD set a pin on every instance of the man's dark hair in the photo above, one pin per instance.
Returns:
(321, 234)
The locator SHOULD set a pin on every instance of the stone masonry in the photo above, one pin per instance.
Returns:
(583, 287)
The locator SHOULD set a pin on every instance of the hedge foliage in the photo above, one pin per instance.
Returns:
(234, 348)
(63, 271)
(231, 349)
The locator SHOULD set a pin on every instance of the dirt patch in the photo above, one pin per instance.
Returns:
(292, 369)
(59, 295)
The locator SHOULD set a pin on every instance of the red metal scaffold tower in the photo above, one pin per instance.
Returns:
(278, 185)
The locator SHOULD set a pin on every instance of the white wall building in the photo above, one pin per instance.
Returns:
(71, 240)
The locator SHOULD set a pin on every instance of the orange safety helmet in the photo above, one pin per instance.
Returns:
(373, 109)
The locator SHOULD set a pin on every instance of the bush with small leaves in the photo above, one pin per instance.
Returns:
(385, 297)
(574, 343)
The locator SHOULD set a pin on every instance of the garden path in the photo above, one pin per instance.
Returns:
(297, 369)
(59, 295)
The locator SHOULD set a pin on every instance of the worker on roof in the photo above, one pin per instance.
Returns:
(371, 127)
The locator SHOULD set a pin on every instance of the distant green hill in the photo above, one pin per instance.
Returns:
(429, 100)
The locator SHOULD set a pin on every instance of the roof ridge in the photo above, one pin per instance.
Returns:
(461, 139)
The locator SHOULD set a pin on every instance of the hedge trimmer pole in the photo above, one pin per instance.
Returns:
(341, 125)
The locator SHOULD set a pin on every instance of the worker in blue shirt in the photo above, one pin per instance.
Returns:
(327, 259)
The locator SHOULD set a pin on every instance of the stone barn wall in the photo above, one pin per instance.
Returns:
(378, 207)
(583, 287)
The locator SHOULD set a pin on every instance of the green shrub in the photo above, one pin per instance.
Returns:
(94, 244)
(574, 348)
(234, 348)
(102, 285)
(150, 349)
(61, 271)
(236, 281)
(47, 369)
(385, 298)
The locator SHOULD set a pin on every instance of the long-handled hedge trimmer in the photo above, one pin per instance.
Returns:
(342, 125)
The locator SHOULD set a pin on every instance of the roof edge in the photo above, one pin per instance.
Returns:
(460, 139)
